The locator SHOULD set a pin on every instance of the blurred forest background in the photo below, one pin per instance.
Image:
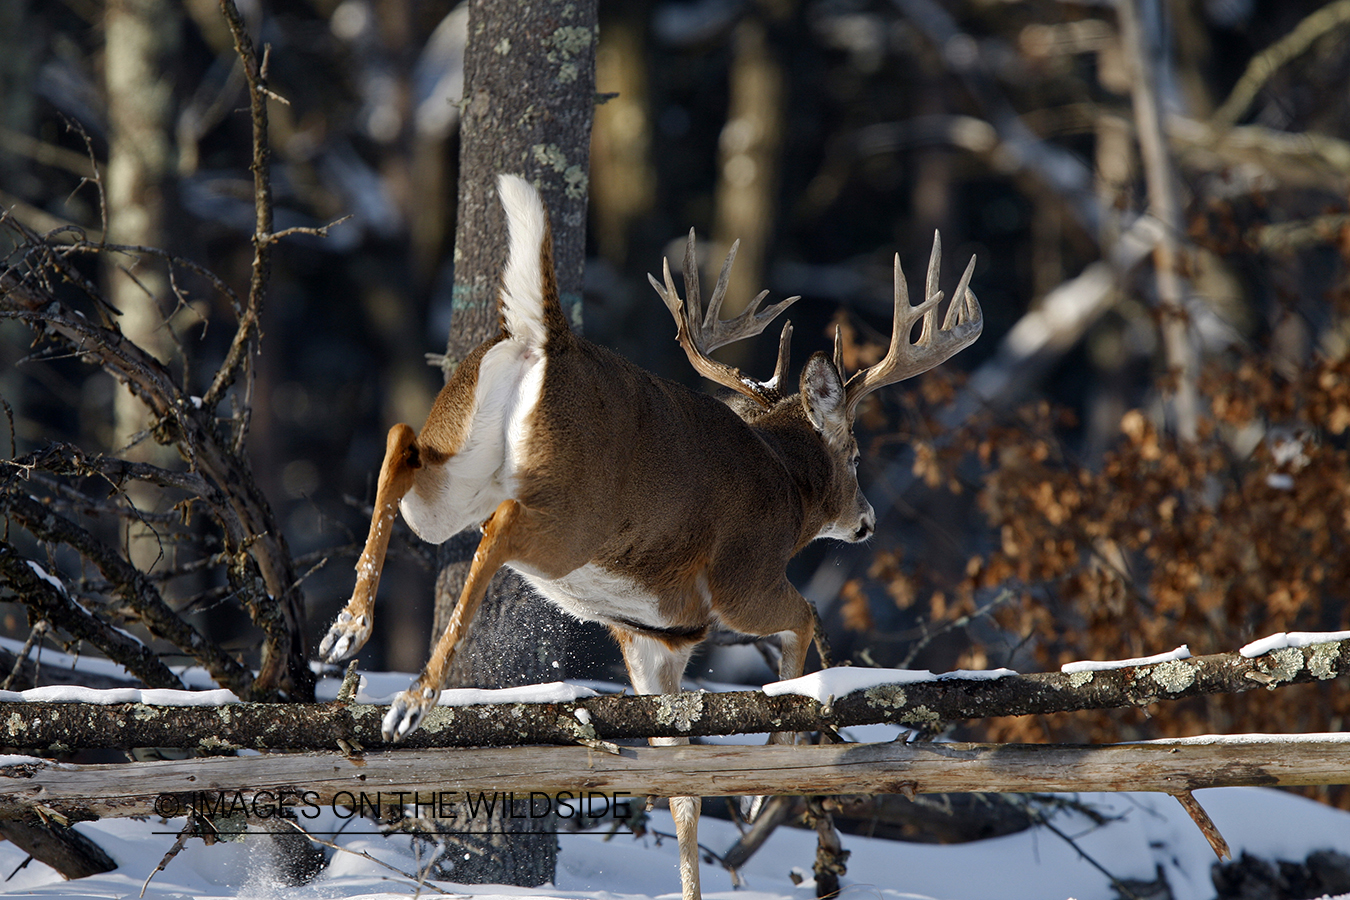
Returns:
(1146, 448)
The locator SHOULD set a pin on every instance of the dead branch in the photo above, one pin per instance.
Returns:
(1268, 62)
(260, 570)
(48, 727)
(47, 598)
(133, 587)
(391, 780)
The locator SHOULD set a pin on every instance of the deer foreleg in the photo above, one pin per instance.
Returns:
(493, 551)
(351, 629)
(795, 639)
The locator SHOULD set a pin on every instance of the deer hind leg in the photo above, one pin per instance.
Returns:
(655, 667)
(349, 633)
(500, 534)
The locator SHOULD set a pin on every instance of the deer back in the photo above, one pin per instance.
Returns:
(665, 490)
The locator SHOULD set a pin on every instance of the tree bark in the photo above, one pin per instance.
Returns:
(529, 94)
(529, 97)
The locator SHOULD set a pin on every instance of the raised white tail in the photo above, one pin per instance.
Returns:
(627, 499)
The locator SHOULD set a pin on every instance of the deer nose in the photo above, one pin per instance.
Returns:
(864, 530)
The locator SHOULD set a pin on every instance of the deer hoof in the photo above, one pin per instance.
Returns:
(406, 713)
(347, 636)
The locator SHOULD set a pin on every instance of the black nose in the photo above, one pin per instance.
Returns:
(864, 532)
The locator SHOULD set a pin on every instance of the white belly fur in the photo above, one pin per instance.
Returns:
(471, 484)
(594, 594)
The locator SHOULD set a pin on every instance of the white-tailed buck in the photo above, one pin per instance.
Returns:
(627, 499)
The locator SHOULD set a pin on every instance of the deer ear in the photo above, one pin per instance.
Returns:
(822, 392)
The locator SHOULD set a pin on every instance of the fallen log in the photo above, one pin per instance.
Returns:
(55, 728)
(389, 782)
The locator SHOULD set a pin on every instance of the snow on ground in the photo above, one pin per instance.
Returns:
(1145, 831)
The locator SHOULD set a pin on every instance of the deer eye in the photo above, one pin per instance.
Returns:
(857, 458)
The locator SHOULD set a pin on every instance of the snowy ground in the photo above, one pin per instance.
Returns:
(1147, 831)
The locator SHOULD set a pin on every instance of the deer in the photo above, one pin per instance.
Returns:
(627, 499)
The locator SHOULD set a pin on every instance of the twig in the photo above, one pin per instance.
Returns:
(1003, 597)
(1125, 891)
(38, 631)
(1204, 823)
(243, 347)
(1266, 63)
(190, 829)
(321, 231)
(172, 260)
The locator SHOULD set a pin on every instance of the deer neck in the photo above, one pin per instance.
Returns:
(807, 464)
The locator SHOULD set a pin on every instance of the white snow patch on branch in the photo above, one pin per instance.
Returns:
(1182, 652)
(1291, 639)
(553, 692)
(843, 680)
(47, 577)
(62, 693)
(1334, 737)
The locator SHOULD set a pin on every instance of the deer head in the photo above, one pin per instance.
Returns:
(827, 400)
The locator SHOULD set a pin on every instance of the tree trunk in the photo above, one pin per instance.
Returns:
(529, 90)
(142, 38)
(747, 179)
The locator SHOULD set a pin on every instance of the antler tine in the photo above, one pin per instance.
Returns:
(691, 279)
(781, 368)
(934, 266)
(961, 308)
(905, 358)
(713, 317)
(700, 332)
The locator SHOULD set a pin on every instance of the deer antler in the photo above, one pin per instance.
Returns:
(699, 332)
(905, 359)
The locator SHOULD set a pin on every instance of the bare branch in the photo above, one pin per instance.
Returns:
(244, 344)
(1141, 48)
(947, 699)
(1269, 61)
(133, 586)
(46, 596)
